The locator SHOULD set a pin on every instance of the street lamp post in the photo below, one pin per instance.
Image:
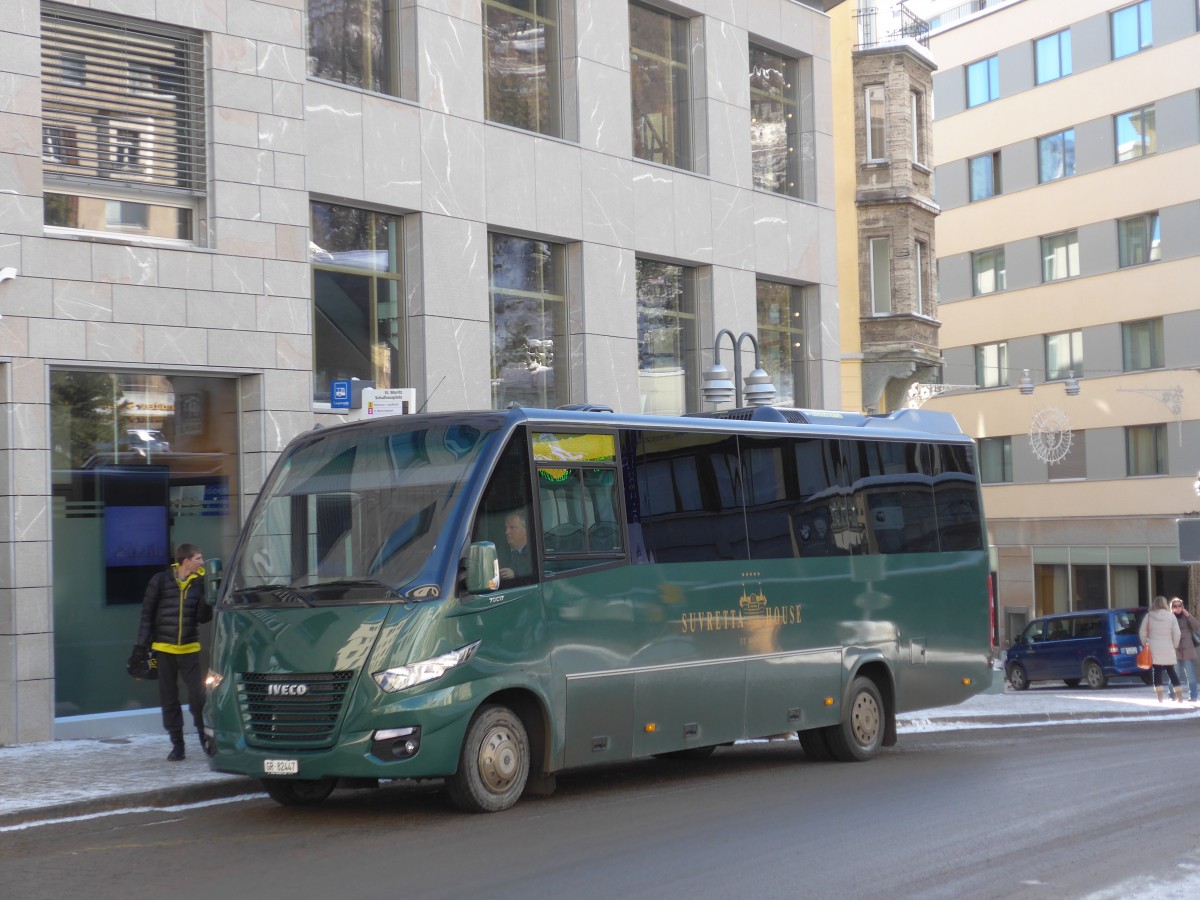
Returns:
(717, 388)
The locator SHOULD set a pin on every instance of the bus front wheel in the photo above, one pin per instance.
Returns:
(493, 765)
(299, 792)
(859, 735)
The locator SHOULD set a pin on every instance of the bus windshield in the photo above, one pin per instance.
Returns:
(353, 516)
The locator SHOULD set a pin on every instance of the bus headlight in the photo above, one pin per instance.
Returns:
(213, 680)
(400, 678)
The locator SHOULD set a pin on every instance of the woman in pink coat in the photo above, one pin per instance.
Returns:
(1160, 630)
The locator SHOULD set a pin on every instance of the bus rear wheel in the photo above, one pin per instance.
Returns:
(299, 792)
(493, 764)
(859, 736)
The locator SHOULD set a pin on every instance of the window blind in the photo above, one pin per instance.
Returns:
(122, 102)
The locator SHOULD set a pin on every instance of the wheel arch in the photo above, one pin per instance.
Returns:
(879, 672)
(531, 709)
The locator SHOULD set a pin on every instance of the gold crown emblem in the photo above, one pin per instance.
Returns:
(753, 604)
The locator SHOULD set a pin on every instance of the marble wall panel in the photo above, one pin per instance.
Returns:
(609, 291)
(693, 218)
(452, 162)
(770, 233)
(458, 356)
(727, 58)
(392, 152)
(607, 199)
(611, 371)
(510, 176)
(654, 209)
(333, 130)
(450, 77)
(115, 342)
(57, 339)
(455, 264)
(733, 226)
(558, 188)
(605, 109)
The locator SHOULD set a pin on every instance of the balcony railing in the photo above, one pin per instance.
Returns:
(904, 26)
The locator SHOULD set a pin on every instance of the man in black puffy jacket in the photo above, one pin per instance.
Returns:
(172, 612)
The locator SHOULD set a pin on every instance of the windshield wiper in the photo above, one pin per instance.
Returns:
(388, 590)
(284, 593)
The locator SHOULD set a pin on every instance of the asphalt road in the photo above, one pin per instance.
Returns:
(1058, 811)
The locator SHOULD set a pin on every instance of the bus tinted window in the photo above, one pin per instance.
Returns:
(960, 522)
(689, 497)
(504, 515)
(893, 495)
(792, 486)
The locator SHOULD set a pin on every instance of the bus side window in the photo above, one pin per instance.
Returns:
(505, 511)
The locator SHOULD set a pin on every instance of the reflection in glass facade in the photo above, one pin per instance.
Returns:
(666, 313)
(781, 340)
(354, 42)
(658, 60)
(521, 64)
(139, 464)
(774, 121)
(357, 292)
(529, 322)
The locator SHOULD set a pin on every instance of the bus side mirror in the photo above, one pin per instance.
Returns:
(212, 580)
(483, 568)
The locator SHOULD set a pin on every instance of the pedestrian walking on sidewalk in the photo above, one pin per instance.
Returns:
(1161, 632)
(1185, 650)
(173, 610)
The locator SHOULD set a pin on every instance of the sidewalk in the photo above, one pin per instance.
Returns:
(40, 782)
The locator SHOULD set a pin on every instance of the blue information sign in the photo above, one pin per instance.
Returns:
(339, 395)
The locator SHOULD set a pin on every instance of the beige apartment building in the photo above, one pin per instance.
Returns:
(1066, 138)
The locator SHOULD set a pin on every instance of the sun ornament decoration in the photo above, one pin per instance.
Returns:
(1050, 435)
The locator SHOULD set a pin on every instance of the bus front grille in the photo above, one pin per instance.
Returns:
(298, 711)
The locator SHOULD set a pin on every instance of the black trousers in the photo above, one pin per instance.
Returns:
(172, 668)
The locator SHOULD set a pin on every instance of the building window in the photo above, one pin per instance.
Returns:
(1142, 345)
(881, 276)
(521, 65)
(781, 339)
(355, 42)
(1138, 240)
(1073, 466)
(666, 311)
(918, 127)
(985, 176)
(661, 87)
(527, 283)
(1146, 450)
(983, 81)
(1056, 156)
(1064, 355)
(876, 123)
(104, 138)
(1131, 29)
(1060, 256)
(1136, 133)
(1053, 56)
(358, 291)
(988, 270)
(995, 460)
(923, 272)
(774, 121)
(991, 365)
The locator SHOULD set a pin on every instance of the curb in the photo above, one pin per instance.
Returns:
(159, 798)
(1002, 720)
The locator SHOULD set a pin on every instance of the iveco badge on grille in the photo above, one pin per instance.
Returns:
(287, 690)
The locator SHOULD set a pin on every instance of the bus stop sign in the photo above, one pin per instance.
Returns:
(1189, 540)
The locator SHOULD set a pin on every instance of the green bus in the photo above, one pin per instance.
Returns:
(492, 597)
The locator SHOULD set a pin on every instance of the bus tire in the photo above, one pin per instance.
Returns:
(859, 735)
(299, 792)
(814, 745)
(493, 764)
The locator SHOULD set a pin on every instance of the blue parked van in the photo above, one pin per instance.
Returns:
(1091, 646)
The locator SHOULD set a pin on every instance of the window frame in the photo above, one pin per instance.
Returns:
(775, 107)
(1064, 244)
(105, 139)
(679, 153)
(1074, 354)
(1137, 465)
(1062, 56)
(380, 70)
(917, 100)
(384, 286)
(1066, 155)
(1142, 342)
(879, 308)
(775, 337)
(999, 272)
(876, 154)
(549, 120)
(1140, 15)
(682, 316)
(1148, 143)
(989, 180)
(988, 460)
(991, 80)
(983, 365)
(1151, 224)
